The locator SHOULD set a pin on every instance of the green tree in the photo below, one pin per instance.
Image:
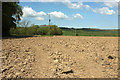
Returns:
(32, 30)
(11, 13)
(24, 24)
(55, 30)
(42, 30)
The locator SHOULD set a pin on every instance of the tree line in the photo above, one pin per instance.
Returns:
(36, 30)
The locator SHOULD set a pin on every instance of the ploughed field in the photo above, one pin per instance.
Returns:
(60, 57)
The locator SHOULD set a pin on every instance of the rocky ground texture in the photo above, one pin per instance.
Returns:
(60, 57)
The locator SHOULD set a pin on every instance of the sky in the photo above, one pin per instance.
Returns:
(102, 15)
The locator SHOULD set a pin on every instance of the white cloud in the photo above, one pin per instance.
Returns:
(39, 18)
(78, 16)
(111, 4)
(41, 13)
(104, 10)
(70, 0)
(87, 7)
(78, 5)
(58, 15)
(29, 12)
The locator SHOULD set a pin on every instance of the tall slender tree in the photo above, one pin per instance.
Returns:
(11, 13)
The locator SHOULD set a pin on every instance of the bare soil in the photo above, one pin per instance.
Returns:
(60, 57)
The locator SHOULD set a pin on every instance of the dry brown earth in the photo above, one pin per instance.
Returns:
(60, 57)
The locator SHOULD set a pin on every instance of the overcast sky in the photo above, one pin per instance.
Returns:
(103, 15)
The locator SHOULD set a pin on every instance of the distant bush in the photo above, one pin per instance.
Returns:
(76, 34)
(18, 31)
(42, 30)
(32, 30)
(54, 30)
